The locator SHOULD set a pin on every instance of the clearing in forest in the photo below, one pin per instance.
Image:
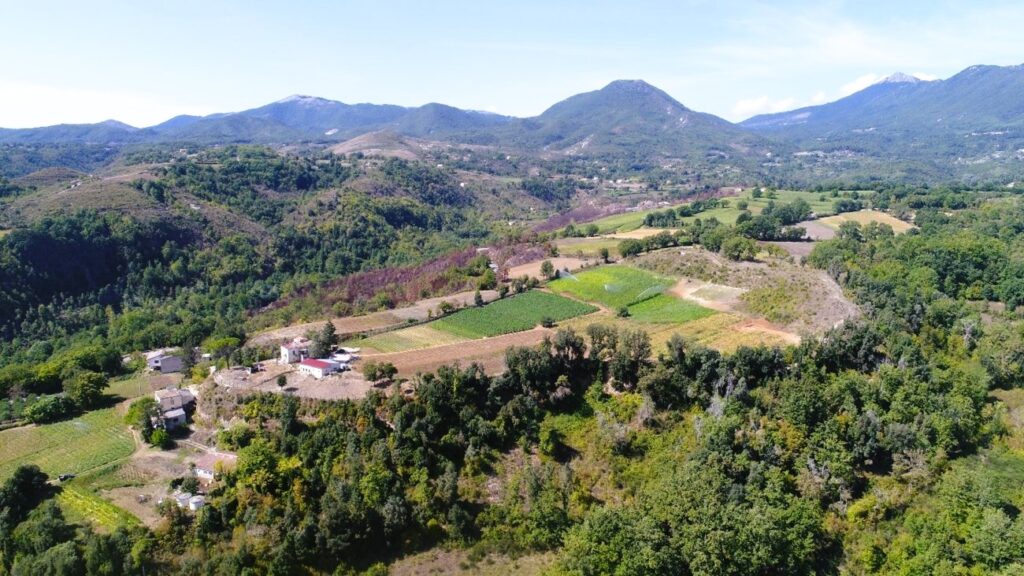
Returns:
(865, 217)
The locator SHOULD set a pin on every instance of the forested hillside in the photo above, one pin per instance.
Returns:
(890, 445)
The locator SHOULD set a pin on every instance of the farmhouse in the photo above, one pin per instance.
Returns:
(319, 368)
(210, 464)
(164, 362)
(173, 404)
(294, 351)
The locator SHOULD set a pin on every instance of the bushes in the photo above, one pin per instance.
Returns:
(49, 409)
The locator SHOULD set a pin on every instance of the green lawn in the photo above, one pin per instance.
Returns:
(72, 446)
(512, 314)
(614, 286)
(621, 222)
(664, 309)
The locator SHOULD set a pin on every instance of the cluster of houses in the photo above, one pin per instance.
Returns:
(297, 351)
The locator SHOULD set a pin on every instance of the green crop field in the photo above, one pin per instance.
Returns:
(723, 215)
(663, 309)
(614, 286)
(72, 446)
(513, 314)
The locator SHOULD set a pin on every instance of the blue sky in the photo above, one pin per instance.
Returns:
(143, 62)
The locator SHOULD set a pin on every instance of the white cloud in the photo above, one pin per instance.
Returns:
(860, 83)
(24, 105)
(761, 105)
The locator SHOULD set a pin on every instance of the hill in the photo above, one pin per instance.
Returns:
(631, 116)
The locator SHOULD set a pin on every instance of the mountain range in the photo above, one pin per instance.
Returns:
(974, 117)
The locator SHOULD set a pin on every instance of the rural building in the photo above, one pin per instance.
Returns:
(173, 404)
(294, 351)
(164, 362)
(319, 368)
(210, 464)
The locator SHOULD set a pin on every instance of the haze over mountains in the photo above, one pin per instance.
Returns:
(974, 117)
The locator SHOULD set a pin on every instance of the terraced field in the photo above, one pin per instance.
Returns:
(72, 446)
(613, 286)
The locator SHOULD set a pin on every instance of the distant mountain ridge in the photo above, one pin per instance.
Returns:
(970, 119)
(977, 98)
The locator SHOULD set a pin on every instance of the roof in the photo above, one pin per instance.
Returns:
(209, 460)
(173, 398)
(176, 413)
(296, 343)
(313, 363)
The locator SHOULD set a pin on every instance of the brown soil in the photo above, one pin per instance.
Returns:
(489, 352)
(797, 250)
(817, 230)
(708, 295)
(532, 269)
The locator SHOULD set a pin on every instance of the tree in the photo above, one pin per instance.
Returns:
(324, 341)
(282, 381)
(379, 371)
(85, 388)
(604, 255)
(161, 439)
(739, 248)
(478, 299)
(547, 269)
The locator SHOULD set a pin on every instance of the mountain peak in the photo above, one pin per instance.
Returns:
(304, 100)
(630, 86)
(900, 78)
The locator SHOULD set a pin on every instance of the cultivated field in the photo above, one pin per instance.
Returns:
(664, 309)
(865, 217)
(412, 338)
(612, 286)
(512, 314)
(532, 269)
(72, 446)
(587, 247)
(489, 352)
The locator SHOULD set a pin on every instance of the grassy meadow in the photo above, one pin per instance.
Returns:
(613, 286)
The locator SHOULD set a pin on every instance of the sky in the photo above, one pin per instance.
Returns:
(69, 61)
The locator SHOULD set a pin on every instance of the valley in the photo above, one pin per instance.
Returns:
(613, 335)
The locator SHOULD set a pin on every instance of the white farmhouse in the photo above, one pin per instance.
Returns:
(294, 351)
(319, 368)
